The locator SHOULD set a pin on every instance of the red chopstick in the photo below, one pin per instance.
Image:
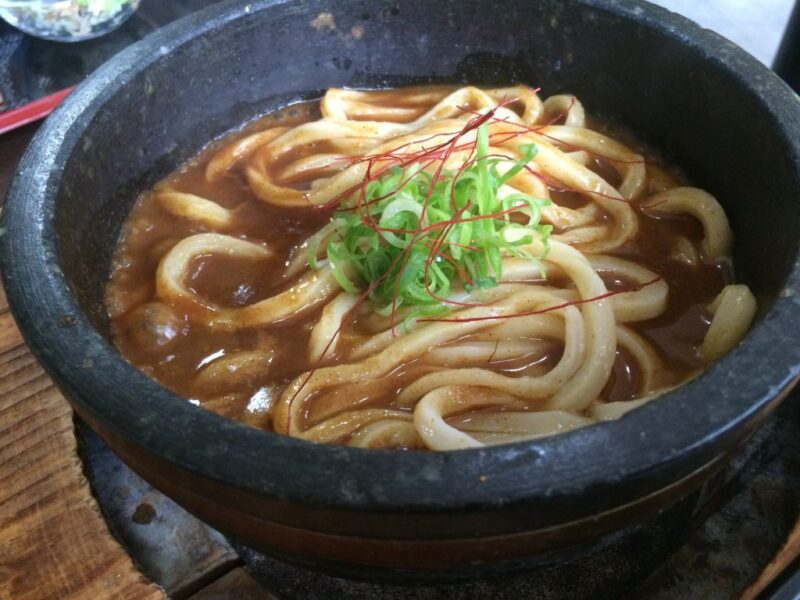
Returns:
(33, 111)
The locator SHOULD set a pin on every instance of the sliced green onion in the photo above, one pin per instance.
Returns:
(385, 238)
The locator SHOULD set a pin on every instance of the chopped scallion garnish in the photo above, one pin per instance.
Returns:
(411, 238)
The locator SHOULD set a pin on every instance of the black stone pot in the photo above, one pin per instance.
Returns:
(727, 120)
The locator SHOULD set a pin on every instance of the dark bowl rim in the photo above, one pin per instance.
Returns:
(266, 464)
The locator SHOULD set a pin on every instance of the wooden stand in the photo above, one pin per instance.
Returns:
(54, 542)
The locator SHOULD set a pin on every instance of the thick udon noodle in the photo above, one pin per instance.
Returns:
(532, 356)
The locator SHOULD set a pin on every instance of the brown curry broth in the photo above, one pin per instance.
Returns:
(150, 231)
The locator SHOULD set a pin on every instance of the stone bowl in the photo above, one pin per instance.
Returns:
(409, 516)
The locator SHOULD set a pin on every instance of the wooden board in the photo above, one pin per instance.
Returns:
(54, 542)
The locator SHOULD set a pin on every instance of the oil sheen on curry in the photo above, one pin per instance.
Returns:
(432, 267)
